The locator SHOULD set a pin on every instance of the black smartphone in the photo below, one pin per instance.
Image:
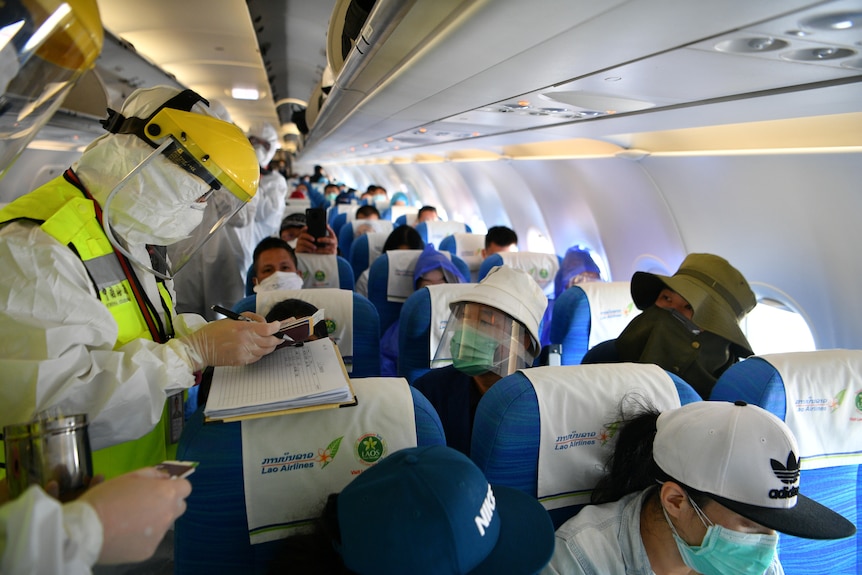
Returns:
(315, 219)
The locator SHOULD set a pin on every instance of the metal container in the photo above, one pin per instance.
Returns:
(46, 450)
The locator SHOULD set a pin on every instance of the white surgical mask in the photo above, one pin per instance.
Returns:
(280, 281)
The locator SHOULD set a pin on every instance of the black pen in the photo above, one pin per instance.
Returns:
(230, 314)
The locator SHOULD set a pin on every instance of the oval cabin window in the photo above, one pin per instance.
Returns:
(773, 327)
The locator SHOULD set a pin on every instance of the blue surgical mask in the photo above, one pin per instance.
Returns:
(724, 551)
(472, 351)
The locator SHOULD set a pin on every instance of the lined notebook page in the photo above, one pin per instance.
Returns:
(310, 374)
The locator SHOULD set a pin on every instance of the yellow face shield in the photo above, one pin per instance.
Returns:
(45, 47)
(229, 160)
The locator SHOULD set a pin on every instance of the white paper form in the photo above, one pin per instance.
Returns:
(290, 377)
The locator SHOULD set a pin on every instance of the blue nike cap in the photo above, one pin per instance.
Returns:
(430, 510)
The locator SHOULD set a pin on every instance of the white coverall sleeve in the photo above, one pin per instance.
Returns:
(38, 534)
(57, 346)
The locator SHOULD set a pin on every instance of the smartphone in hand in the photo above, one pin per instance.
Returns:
(315, 219)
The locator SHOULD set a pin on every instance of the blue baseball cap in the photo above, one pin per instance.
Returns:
(430, 510)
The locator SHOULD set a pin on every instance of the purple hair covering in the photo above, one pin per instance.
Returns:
(431, 259)
(576, 261)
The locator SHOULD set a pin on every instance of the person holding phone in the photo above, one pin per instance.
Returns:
(317, 237)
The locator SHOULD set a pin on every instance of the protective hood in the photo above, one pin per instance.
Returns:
(264, 140)
(577, 261)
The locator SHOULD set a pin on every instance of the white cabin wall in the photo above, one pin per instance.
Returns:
(788, 222)
(33, 168)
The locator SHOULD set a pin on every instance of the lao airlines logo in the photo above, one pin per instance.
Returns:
(787, 473)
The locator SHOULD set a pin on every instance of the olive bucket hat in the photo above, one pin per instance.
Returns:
(719, 295)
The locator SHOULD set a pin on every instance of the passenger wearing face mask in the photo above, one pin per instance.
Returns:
(274, 268)
(291, 228)
(88, 324)
(690, 320)
(432, 268)
(698, 489)
(492, 331)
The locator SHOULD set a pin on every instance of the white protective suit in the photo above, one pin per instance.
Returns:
(70, 535)
(216, 273)
(271, 191)
(57, 338)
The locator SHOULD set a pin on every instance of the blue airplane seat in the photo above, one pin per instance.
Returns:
(364, 250)
(468, 247)
(415, 344)
(365, 323)
(212, 535)
(587, 314)
(541, 266)
(434, 232)
(506, 430)
(346, 279)
(824, 388)
(346, 236)
(389, 305)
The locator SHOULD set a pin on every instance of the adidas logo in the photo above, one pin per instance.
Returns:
(787, 473)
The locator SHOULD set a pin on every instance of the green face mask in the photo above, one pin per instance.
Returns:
(472, 351)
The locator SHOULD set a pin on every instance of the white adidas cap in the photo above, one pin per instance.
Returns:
(746, 459)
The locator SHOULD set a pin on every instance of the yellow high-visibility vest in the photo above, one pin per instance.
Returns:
(68, 216)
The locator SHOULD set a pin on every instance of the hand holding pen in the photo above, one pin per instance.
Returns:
(235, 316)
(229, 342)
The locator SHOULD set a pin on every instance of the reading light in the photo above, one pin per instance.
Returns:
(244, 93)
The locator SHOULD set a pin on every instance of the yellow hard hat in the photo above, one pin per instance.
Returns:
(45, 47)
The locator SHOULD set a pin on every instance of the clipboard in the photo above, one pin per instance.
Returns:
(229, 396)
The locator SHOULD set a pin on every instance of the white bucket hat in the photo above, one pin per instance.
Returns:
(513, 292)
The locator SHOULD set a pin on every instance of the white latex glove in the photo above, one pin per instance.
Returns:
(231, 342)
(136, 509)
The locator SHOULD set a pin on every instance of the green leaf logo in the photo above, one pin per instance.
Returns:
(325, 456)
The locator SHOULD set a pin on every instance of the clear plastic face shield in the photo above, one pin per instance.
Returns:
(480, 339)
(45, 46)
(201, 170)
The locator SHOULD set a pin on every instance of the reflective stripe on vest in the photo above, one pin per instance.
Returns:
(70, 218)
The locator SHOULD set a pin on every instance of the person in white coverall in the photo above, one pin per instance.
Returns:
(272, 188)
(85, 327)
(215, 275)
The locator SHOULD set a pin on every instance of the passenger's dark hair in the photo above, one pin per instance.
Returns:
(296, 308)
(630, 467)
(500, 235)
(313, 553)
(366, 211)
(424, 209)
(403, 236)
(272, 243)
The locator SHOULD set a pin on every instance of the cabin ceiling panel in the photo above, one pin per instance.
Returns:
(660, 55)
